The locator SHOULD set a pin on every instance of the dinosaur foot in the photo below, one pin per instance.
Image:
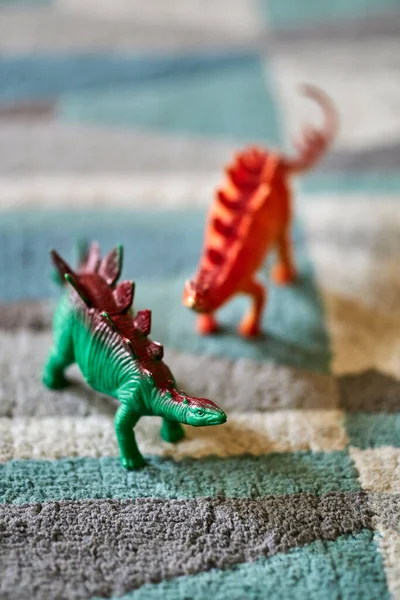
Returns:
(172, 432)
(54, 382)
(283, 275)
(249, 328)
(206, 324)
(132, 464)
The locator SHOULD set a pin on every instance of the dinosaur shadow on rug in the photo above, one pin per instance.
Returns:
(86, 400)
(296, 339)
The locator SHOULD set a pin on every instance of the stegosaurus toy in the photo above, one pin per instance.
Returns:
(251, 215)
(94, 327)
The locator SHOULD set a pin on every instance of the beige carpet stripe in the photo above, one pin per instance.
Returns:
(252, 433)
(153, 190)
(356, 237)
(389, 546)
(379, 470)
(343, 70)
(127, 25)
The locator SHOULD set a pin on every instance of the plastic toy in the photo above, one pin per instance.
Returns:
(94, 327)
(251, 215)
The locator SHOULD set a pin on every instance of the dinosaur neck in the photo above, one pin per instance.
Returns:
(220, 289)
(168, 409)
(150, 401)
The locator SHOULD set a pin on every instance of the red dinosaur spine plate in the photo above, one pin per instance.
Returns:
(251, 214)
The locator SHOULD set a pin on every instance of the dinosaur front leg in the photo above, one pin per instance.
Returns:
(125, 420)
(206, 324)
(284, 271)
(251, 324)
(171, 431)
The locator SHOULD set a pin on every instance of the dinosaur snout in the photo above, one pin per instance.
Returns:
(189, 299)
(195, 297)
(190, 296)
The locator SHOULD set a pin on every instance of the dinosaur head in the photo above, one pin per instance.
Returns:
(200, 412)
(196, 295)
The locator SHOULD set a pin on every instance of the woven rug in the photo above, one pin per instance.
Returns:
(116, 119)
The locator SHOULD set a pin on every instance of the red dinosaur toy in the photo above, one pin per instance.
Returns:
(250, 215)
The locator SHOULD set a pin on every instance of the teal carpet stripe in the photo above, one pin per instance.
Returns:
(293, 322)
(27, 481)
(373, 183)
(349, 567)
(371, 430)
(153, 257)
(174, 93)
(286, 13)
(196, 105)
(153, 243)
(44, 76)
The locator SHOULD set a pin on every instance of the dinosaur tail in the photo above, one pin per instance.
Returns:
(314, 142)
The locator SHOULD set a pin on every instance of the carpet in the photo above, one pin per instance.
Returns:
(116, 119)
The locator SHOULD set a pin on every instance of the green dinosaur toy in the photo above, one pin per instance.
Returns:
(94, 327)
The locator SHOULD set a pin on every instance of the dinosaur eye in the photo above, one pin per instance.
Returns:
(199, 412)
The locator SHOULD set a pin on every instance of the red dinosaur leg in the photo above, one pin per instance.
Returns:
(284, 271)
(206, 324)
(251, 324)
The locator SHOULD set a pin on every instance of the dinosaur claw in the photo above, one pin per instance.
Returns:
(283, 275)
(249, 329)
(54, 382)
(132, 464)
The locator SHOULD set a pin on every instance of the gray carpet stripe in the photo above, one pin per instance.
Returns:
(386, 508)
(84, 148)
(26, 326)
(27, 110)
(156, 27)
(241, 385)
(35, 315)
(80, 549)
(356, 160)
(370, 391)
(349, 31)
(52, 147)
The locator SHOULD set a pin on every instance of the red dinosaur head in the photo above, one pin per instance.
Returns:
(197, 296)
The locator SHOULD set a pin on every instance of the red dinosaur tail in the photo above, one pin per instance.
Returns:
(315, 142)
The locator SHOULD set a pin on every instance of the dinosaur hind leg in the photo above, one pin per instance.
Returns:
(251, 324)
(284, 272)
(53, 374)
(60, 357)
